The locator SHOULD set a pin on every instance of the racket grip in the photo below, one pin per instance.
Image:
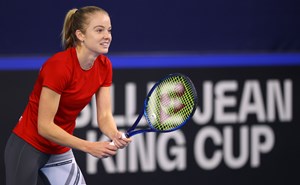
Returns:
(123, 137)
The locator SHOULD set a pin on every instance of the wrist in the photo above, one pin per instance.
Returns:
(85, 146)
(114, 134)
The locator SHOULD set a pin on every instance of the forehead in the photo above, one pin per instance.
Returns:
(98, 18)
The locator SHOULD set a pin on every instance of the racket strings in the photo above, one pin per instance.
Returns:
(171, 103)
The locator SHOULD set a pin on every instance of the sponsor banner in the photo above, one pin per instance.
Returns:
(244, 131)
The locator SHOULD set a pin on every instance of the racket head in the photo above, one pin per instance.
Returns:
(170, 103)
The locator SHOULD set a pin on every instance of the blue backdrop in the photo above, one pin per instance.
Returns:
(33, 26)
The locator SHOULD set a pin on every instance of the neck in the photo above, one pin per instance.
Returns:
(85, 58)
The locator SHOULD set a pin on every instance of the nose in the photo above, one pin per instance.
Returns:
(107, 34)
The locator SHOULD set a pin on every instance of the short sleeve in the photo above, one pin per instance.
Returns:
(55, 75)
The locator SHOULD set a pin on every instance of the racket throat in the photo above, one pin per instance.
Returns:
(132, 133)
(131, 129)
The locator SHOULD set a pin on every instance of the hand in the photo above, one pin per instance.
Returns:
(121, 142)
(101, 149)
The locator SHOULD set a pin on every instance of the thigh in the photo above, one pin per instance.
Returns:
(22, 162)
(62, 169)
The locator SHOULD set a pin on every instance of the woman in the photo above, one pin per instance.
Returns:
(42, 140)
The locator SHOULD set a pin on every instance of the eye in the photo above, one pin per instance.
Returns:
(99, 30)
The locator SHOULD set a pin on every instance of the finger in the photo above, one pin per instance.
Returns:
(127, 140)
(118, 135)
(116, 144)
(112, 147)
(122, 143)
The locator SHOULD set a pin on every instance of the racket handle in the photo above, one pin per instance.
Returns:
(123, 137)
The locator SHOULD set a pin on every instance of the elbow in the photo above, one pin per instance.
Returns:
(42, 130)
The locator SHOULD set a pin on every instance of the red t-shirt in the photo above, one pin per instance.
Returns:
(62, 73)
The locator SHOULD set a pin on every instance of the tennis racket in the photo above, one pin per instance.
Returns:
(169, 105)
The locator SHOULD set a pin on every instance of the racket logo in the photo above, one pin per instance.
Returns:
(170, 104)
(171, 101)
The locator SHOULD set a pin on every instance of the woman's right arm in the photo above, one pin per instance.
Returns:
(48, 106)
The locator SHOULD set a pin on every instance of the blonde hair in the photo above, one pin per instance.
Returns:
(76, 19)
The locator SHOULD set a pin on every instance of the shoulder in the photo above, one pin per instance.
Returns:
(61, 58)
(104, 69)
(60, 61)
(104, 60)
(57, 71)
(61, 64)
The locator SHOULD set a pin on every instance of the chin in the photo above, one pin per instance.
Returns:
(103, 51)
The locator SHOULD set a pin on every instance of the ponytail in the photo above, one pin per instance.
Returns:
(67, 34)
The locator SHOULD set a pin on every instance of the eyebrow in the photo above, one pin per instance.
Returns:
(101, 26)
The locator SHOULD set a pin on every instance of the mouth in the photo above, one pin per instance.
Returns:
(105, 44)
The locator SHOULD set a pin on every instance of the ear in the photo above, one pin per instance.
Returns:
(80, 36)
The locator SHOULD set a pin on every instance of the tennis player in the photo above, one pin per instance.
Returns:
(42, 141)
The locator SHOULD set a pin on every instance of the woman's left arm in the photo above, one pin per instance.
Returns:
(105, 118)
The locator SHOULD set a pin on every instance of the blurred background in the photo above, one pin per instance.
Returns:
(243, 56)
